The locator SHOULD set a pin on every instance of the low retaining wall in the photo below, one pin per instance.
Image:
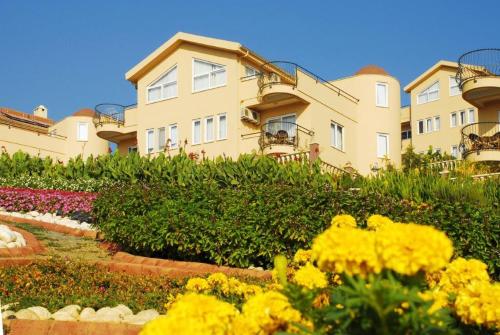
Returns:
(52, 327)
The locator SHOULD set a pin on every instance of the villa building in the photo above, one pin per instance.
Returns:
(213, 97)
(38, 135)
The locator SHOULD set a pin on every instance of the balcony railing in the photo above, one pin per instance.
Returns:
(286, 73)
(110, 113)
(282, 133)
(478, 63)
(480, 136)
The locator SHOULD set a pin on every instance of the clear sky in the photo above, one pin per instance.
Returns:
(72, 54)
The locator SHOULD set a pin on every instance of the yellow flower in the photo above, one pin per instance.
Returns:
(376, 221)
(197, 285)
(302, 256)
(218, 281)
(410, 248)
(461, 273)
(344, 221)
(310, 277)
(194, 314)
(269, 312)
(479, 304)
(346, 250)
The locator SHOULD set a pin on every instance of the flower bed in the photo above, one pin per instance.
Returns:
(45, 201)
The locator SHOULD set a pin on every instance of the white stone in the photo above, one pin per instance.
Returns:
(63, 316)
(34, 214)
(87, 313)
(26, 314)
(142, 317)
(7, 314)
(123, 310)
(3, 244)
(72, 310)
(42, 312)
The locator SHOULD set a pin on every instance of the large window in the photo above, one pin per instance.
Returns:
(82, 131)
(454, 88)
(428, 123)
(161, 138)
(382, 145)
(222, 127)
(337, 136)
(208, 75)
(150, 135)
(429, 94)
(472, 117)
(165, 87)
(196, 131)
(173, 136)
(437, 123)
(382, 95)
(209, 129)
(406, 134)
(453, 120)
(250, 71)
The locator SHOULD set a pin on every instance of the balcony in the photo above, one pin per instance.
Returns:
(478, 76)
(481, 141)
(279, 137)
(109, 121)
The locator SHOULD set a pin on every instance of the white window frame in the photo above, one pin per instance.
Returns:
(79, 135)
(252, 69)
(209, 76)
(172, 146)
(162, 87)
(205, 133)
(437, 127)
(161, 146)
(386, 85)
(152, 147)
(454, 148)
(427, 128)
(388, 146)
(471, 111)
(219, 138)
(452, 81)
(451, 119)
(426, 92)
(463, 120)
(334, 126)
(193, 132)
(423, 127)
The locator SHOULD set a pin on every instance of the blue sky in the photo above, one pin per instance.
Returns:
(73, 54)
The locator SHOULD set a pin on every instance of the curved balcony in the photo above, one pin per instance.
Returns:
(109, 121)
(278, 137)
(478, 76)
(481, 141)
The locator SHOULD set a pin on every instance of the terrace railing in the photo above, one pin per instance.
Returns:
(110, 113)
(282, 133)
(478, 63)
(480, 136)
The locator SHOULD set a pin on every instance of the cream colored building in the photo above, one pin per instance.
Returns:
(437, 112)
(38, 135)
(218, 98)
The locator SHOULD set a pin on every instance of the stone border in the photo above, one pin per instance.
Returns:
(50, 226)
(138, 265)
(33, 246)
(52, 327)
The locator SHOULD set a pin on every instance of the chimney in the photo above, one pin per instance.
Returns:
(40, 111)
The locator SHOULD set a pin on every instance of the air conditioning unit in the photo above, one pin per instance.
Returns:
(250, 115)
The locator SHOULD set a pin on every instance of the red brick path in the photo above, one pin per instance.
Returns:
(51, 327)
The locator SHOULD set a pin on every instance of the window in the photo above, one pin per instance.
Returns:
(337, 136)
(428, 125)
(453, 120)
(382, 95)
(161, 138)
(382, 145)
(222, 129)
(472, 117)
(429, 94)
(406, 134)
(173, 136)
(207, 75)
(454, 89)
(209, 129)
(150, 140)
(250, 71)
(165, 87)
(196, 131)
(454, 151)
(132, 149)
(82, 131)
(421, 126)
(463, 118)
(437, 123)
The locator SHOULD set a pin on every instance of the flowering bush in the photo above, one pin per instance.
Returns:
(56, 183)
(397, 279)
(45, 201)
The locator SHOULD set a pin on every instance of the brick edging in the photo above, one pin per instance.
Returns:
(50, 226)
(53, 327)
(33, 246)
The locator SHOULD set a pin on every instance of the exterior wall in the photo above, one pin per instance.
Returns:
(447, 136)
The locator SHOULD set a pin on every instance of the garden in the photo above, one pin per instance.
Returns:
(407, 251)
